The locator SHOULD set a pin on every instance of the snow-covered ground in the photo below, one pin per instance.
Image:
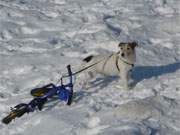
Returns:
(38, 38)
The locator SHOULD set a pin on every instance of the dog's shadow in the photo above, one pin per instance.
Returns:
(103, 81)
(140, 73)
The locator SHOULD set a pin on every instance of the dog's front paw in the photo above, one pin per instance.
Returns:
(122, 87)
(127, 88)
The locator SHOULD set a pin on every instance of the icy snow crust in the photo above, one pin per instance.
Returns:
(38, 38)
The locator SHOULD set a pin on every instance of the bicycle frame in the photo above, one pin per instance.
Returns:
(64, 92)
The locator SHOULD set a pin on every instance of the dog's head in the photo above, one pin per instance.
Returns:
(127, 50)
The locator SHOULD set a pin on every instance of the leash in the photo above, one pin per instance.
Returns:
(65, 76)
(77, 72)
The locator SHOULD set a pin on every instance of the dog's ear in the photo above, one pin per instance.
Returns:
(133, 45)
(121, 44)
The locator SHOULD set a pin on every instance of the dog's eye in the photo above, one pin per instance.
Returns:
(128, 48)
(121, 48)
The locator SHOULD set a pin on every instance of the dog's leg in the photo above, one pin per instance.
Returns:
(88, 76)
(131, 80)
(124, 76)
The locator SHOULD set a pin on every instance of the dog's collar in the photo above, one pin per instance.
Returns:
(118, 57)
(126, 62)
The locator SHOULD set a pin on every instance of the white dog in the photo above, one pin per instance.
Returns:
(116, 64)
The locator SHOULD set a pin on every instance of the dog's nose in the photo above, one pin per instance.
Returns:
(122, 54)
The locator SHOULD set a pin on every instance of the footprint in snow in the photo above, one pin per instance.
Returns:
(93, 126)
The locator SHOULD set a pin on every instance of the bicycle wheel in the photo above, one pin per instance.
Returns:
(39, 92)
(17, 112)
(9, 118)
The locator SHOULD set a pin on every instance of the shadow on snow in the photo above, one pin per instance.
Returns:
(145, 72)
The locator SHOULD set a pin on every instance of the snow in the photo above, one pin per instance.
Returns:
(38, 38)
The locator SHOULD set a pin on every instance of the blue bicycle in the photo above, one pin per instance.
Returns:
(41, 96)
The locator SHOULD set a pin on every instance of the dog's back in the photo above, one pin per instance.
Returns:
(88, 59)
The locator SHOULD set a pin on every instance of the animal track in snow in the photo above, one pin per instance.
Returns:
(29, 30)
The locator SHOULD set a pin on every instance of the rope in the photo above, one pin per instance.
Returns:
(65, 76)
(73, 74)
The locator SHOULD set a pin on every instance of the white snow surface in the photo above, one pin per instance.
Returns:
(38, 38)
